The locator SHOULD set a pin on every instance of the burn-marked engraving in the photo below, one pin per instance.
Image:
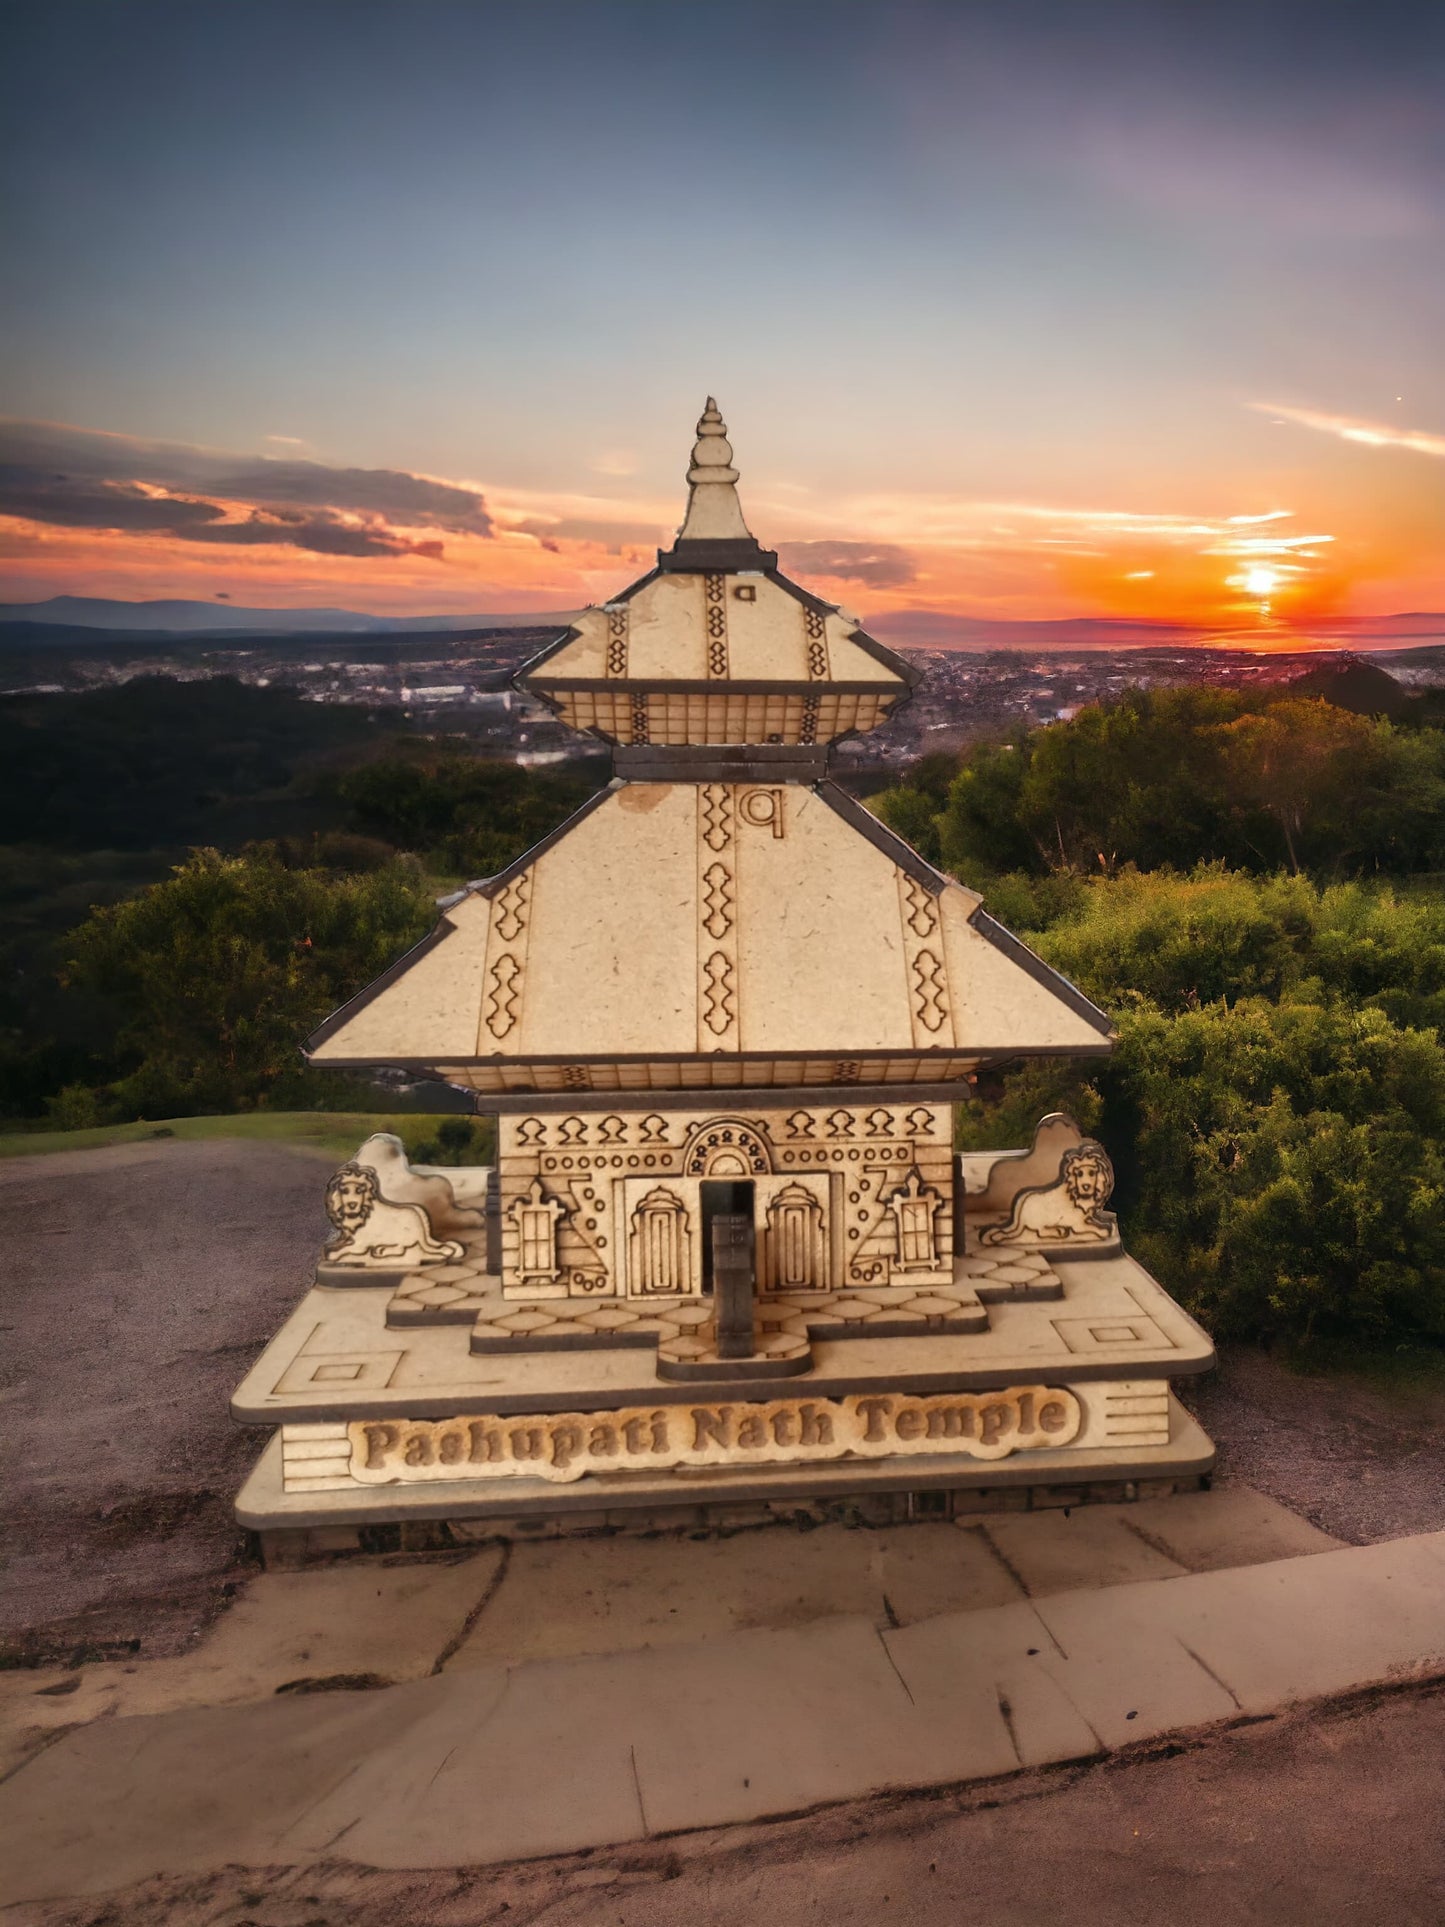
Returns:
(920, 911)
(717, 900)
(717, 815)
(659, 1246)
(617, 640)
(370, 1231)
(763, 809)
(504, 998)
(795, 1245)
(719, 1001)
(930, 991)
(915, 1207)
(727, 1148)
(564, 1446)
(535, 1218)
(511, 907)
(1070, 1210)
(815, 628)
(716, 617)
(920, 923)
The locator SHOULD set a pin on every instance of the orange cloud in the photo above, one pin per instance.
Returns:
(144, 520)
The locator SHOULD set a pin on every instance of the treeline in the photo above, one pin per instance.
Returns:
(200, 871)
(1178, 777)
(1247, 889)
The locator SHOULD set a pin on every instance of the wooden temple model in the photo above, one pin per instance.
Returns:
(727, 1253)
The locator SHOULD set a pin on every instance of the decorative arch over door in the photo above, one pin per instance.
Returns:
(726, 1147)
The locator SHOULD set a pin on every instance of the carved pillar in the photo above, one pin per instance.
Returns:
(732, 1283)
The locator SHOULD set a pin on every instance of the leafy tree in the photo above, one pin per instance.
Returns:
(913, 815)
(1136, 781)
(220, 973)
(468, 814)
(1172, 778)
(158, 763)
(1293, 763)
(982, 828)
(458, 1140)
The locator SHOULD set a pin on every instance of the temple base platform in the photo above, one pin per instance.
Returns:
(298, 1526)
(413, 1433)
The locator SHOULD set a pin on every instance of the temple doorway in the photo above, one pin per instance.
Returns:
(720, 1196)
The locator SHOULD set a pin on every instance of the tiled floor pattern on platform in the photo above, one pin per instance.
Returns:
(682, 1328)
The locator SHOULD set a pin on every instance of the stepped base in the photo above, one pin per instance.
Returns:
(876, 1492)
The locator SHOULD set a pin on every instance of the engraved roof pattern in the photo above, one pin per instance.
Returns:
(718, 627)
(680, 920)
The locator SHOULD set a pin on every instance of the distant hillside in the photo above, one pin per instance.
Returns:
(1350, 683)
(211, 622)
(940, 629)
(175, 617)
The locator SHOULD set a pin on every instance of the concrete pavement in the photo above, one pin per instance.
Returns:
(498, 1758)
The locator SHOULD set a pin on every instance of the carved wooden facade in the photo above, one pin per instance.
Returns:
(842, 1196)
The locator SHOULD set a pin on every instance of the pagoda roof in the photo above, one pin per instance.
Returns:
(701, 936)
(715, 645)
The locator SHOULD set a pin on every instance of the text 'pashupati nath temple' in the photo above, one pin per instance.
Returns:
(727, 1257)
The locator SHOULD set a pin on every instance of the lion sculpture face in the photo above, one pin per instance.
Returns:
(1071, 1207)
(351, 1197)
(1087, 1176)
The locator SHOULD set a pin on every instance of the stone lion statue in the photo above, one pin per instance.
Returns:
(369, 1231)
(1070, 1208)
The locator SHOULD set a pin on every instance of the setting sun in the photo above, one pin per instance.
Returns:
(1261, 581)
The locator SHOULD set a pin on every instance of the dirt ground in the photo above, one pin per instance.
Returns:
(1321, 1817)
(142, 1281)
(145, 1278)
(1358, 1463)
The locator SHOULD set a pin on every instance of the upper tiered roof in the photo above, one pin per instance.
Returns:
(715, 645)
(721, 918)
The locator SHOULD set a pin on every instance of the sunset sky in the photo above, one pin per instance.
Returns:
(1014, 311)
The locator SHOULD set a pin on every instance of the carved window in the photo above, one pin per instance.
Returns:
(797, 1257)
(915, 1208)
(659, 1246)
(535, 1218)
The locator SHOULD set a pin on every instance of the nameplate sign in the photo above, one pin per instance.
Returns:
(564, 1446)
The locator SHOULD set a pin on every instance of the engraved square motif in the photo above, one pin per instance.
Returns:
(1111, 1334)
(351, 1371)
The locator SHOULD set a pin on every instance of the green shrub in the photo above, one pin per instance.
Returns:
(220, 973)
(458, 1140)
(1281, 1166)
